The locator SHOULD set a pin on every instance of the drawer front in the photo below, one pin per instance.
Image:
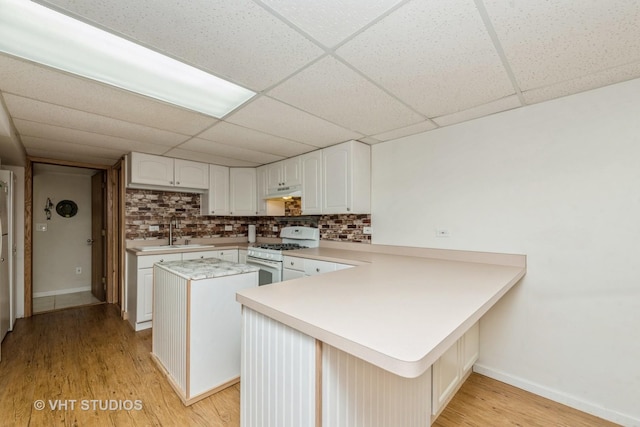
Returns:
(199, 255)
(146, 261)
(293, 263)
(313, 267)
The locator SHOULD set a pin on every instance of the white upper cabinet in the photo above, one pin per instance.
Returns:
(285, 173)
(346, 177)
(272, 207)
(190, 174)
(311, 165)
(150, 171)
(291, 171)
(242, 191)
(215, 201)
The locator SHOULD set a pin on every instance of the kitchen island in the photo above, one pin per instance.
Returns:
(196, 323)
(357, 346)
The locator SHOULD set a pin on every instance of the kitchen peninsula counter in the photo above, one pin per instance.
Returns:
(399, 310)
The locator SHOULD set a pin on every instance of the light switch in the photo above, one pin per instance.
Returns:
(41, 227)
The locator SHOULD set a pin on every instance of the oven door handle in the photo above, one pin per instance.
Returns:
(255, 261)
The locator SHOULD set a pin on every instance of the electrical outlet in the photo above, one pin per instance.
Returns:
(228, 227)
(154, 228)
(78, 270)
(41, 227)
(275, 228)
(366, 230)
(442, 232)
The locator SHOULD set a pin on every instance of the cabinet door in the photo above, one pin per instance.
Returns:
(446, 376)
(230, 255)
(152, 170)
(311, 165)
(145, 295)
(216, 200)
(262, 188)
(291, 172)
(336, 177)
(190, 174)
(275, 177)
(242, 196)
(470, 348)
(288, 274)
(293, 263)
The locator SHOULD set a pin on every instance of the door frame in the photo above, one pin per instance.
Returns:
(112, 225)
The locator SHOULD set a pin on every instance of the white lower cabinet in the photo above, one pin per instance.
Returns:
(140, 281)
(140, 287)
(294, 268)
(452, 368)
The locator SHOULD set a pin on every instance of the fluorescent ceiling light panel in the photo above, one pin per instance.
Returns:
(39, 34)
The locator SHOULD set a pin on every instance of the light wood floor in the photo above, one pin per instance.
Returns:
(90, 354)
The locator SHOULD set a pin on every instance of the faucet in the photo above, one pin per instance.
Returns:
(173, 222)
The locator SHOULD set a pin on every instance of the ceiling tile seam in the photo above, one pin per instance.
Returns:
(249, 149)
(197, 135)
(92, 133)
(105, 116)
(213, 155)
(118, 152)
(178, 147)
(484, 15)
(602, 70)
(385, 90)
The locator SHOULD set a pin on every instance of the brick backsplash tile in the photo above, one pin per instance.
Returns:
(150, 207)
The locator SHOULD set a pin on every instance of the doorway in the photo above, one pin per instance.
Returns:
(69, 227)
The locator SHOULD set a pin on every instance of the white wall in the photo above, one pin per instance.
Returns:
(559, 182)
(63, 247)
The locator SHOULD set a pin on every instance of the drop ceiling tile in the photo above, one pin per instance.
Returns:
(229, 151)
(44, 147)
(235, 39)
(333, 91)
(503, 104)
(45, 84)
(238, 136)
(438, 57)
(208, 158)
(547, 42)
(42, 112)
(406, 131)
(78, 137)
(581, 84)
(276, 118)
(331, 21)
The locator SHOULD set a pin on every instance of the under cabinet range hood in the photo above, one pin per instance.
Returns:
(284, 192)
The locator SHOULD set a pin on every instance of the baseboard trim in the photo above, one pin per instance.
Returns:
(61, 292)
(556, 396)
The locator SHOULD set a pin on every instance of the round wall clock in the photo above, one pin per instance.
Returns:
(67, 208)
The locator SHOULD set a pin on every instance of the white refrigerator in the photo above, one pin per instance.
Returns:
(6, 270)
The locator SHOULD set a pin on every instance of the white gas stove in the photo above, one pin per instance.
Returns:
(269, 256)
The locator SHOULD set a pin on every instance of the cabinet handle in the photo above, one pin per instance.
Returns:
(348, 209)
(201, 256)
(177, 182)
(213, 211)
(162, 260)
(317, 270)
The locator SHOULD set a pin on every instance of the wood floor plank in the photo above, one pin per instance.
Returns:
(92, 356)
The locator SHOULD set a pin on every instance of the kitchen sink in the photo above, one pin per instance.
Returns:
(165, 247)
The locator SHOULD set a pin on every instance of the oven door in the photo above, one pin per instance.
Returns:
(270, 271)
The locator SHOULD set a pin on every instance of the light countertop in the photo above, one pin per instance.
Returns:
(208, 268)
(399, 312)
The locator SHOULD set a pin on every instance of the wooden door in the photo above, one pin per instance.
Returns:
(98, 279)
